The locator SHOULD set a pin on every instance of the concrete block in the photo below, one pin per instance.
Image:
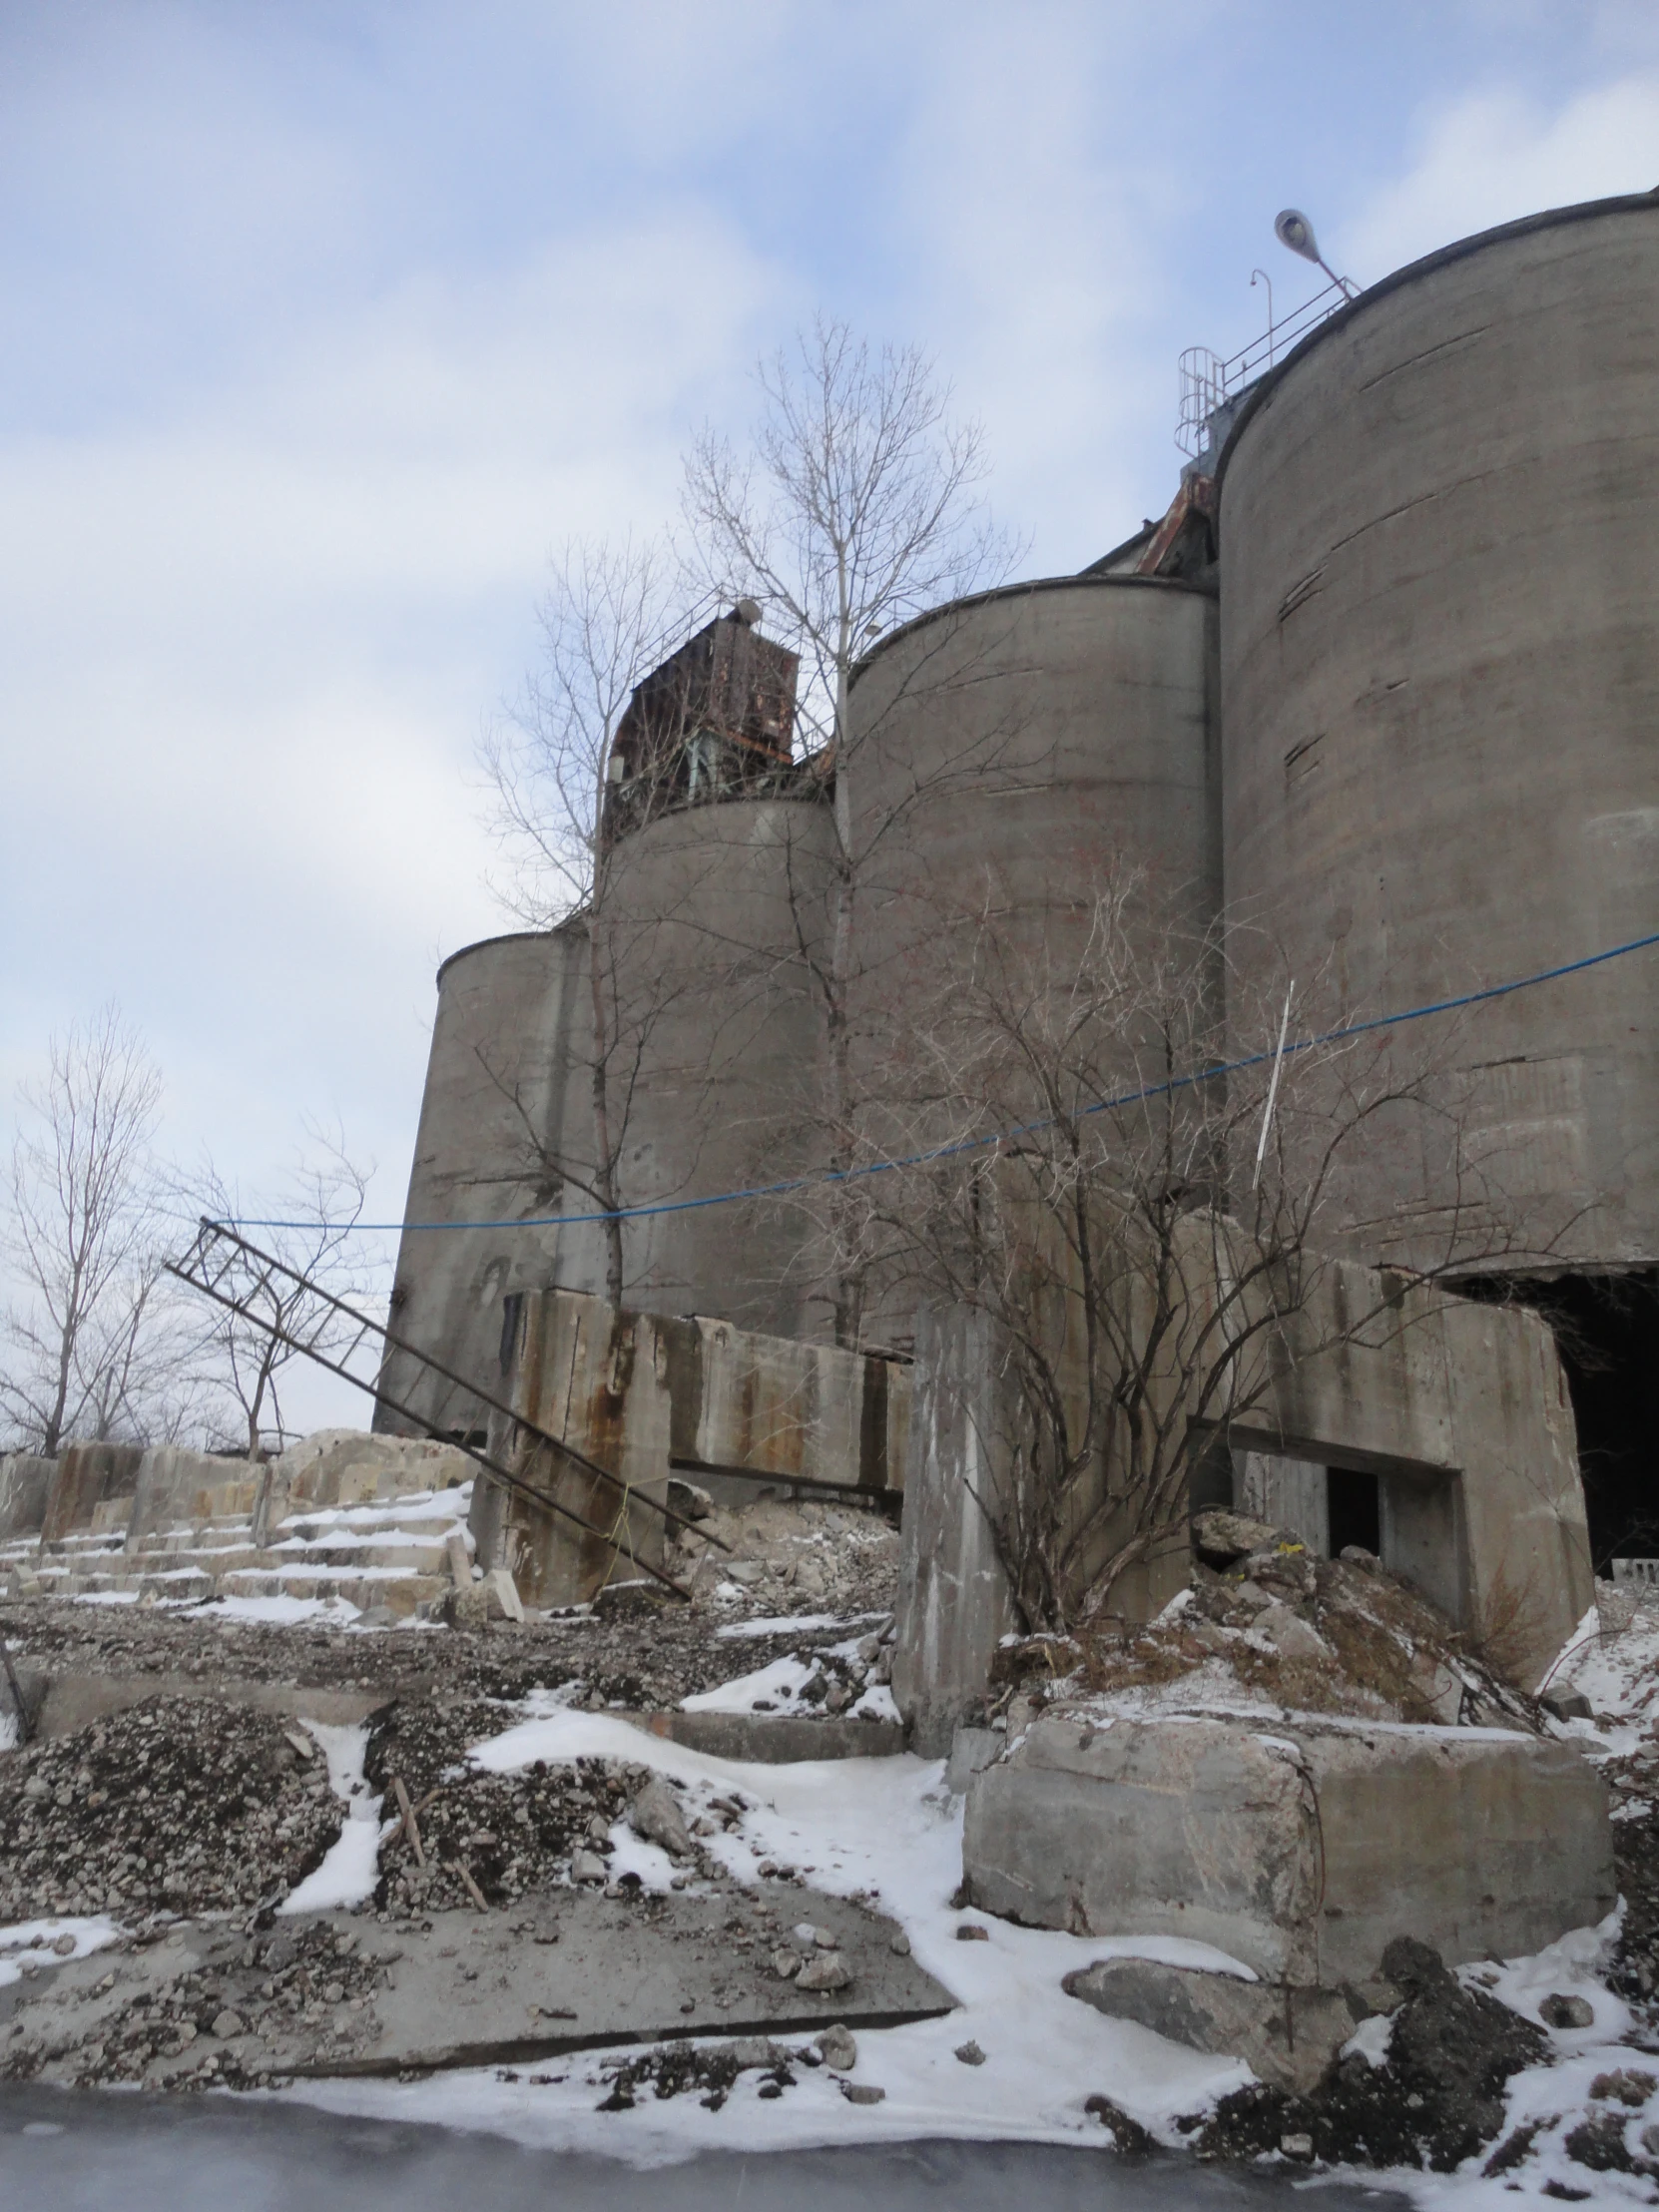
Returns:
(87, 1478)
(953, 1604)
(1300, 1851)
(25, 1485)
(971, 1752)
(773, 1740)
(1286, 2035)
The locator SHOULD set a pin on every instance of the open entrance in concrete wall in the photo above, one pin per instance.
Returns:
(1607, 1327)
(1408, 1513)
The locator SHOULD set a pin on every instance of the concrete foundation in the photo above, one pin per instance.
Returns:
(1302, 1852)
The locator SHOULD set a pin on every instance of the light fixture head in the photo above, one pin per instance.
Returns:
(1293, 229)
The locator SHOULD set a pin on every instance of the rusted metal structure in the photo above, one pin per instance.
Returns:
(716, 718)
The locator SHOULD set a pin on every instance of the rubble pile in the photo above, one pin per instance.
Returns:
(789, 1554)
(213, 2028)
(1266, 1623)
(674, 2069)
(492, 1836)
(181, 1805)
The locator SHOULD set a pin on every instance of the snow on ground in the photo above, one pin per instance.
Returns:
(352, 1865)
(31, 1944)
(886, 1830)
(795, 1624)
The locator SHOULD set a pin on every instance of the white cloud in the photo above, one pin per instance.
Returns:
(1496, 154)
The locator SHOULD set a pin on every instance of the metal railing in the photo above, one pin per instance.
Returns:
(1207, 383)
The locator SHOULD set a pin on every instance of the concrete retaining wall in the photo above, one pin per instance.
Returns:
(25, 1486)
(1302, 1852)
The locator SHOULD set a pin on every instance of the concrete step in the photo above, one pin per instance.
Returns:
(360, 1587)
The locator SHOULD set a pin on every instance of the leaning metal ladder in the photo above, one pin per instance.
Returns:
(224, 1267)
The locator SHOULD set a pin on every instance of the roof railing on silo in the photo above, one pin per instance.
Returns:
(1208, 383)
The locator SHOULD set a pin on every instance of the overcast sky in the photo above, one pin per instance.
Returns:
(324, 322)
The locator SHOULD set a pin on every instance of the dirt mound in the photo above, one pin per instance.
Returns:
(1276, 1626)
(179, 1804)
(1437, 2097)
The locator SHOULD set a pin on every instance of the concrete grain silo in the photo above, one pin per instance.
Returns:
(1009, 752)
(1020, 741)
(711, 913)
(1440, 544)
(492, 1117)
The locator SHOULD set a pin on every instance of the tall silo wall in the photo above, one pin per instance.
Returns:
(1439, 532)
(499, 1109)
(1009, 755)
(711, 920)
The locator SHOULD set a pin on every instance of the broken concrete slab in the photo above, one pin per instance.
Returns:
(774, 1740)
(73, 1701)
(1286, 2035)
(569, 1970)
(1300, 1848)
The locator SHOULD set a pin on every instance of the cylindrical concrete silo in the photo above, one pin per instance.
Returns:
(1009, 753)
(1440, 534)
(1030, 737)
(492, 1119)
(710, 917)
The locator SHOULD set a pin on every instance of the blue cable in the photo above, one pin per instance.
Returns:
(827, 1176)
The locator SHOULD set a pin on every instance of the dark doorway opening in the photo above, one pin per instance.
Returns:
(1607, 1331)
(1355, 1508)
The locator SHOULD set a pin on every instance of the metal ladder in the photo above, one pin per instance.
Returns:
(259, 1288)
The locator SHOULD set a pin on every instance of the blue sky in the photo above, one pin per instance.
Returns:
(323, 322)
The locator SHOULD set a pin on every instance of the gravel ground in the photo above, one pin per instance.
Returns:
(180, 1804)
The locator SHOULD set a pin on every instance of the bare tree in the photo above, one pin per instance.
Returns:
(242, 1359)
(1147, 1241)
(611, 613)
(81, 1242)
(857, 508)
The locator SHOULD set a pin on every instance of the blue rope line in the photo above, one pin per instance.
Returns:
(827, 1176)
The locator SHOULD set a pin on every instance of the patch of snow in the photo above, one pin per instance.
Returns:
(1570, 1967)
(8, 1731)
(631, 1854)
(795, 1624)
(351, 1865)
(1619, 1674)
(877, 1704)
(780, 1683)
(284, 1612)
(105, 1597)
(1370, 2039)
(888, 1830)
(32, 1942)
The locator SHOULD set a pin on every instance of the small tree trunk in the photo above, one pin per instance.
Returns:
(606, 1175)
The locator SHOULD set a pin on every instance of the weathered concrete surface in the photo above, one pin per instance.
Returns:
(175, 1486)
(597, 1374)
(569, 1970)
(350, 1466)
(1299, 1850)
(1011, 748)
(806, 1414)
(953, 1595)
(636, 1393)
(92, 1488)
(25, 1486)
(776, 1739)
(72, 1701)
(1286, 2035)
(1440, 525)
(1459, 1409)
